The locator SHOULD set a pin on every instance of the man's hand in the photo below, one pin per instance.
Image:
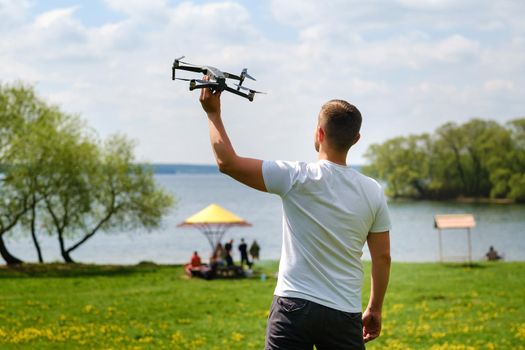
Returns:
(371, 325)
(210, 101)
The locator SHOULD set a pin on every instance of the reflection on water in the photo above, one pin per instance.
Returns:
(413, 235)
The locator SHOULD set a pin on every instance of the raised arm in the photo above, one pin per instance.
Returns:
(245, 170)
(379, 246)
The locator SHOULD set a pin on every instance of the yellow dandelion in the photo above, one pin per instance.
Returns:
(438, 335)
(146, 340)
(236, 336)
(177, 337)
(197, 342)
(89, 308)
(520, 331)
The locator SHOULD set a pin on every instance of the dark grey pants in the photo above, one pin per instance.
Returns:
(298, 324)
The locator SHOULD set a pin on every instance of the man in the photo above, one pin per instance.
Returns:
(229, 246)
(243, 249)
(329, 211)
(254, 250)
(228, 253)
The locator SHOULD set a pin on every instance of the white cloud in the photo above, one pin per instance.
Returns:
(432, 5)
(409, 65)
(56, 17)
(13, 12)
(154, 9)
(498, 86)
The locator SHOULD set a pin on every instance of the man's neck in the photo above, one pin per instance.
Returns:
(337, 158)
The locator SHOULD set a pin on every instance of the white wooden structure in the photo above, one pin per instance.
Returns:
(454, 221)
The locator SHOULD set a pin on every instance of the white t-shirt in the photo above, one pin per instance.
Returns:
(328, 211)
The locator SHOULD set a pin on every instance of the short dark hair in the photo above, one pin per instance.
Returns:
(341, 122)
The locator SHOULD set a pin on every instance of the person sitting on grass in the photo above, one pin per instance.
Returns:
(492, 254)
(194, 266)
(219, 255)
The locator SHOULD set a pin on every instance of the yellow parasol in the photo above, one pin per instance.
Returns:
(213, 221)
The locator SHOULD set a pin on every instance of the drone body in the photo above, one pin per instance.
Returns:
(216, 78)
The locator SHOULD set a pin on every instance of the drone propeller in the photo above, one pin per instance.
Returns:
(177, 61)
(248, 89)
(195, 80)
(245, 74)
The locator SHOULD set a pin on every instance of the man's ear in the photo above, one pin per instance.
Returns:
(320, 135)
(356, 138)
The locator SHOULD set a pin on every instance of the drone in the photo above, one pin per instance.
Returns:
(216, 79)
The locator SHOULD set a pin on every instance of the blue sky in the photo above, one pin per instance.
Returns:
(409, 66)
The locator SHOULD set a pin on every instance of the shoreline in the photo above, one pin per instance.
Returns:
(32, 269)
(461, 200)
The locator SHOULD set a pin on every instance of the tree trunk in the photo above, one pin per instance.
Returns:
(67, 257)
(33, 232)
(9, 259)
(37, 247)
(63, 251)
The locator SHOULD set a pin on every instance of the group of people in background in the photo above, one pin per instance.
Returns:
(222, 258)
(222, 255)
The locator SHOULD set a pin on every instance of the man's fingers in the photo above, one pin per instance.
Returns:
(370, 336)
(204, 91)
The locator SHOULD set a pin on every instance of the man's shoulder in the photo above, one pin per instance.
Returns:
(367, 180)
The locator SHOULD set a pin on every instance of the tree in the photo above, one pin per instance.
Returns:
(12, 209)
(58, 175)
(403, 162)
(477, 159)
(516, 162)
(19, 106)
(108, 191)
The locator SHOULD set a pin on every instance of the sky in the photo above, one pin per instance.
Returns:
(408, 65)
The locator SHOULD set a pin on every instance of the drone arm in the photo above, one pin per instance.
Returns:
(194, 86)
(190, 69)
(186, 68)
(232, 76)
(237, 92)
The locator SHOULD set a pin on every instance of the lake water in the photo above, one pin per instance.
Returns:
(413, 237)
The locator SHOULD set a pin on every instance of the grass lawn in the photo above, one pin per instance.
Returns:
(428, 306)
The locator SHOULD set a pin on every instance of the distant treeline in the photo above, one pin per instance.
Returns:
(183, 168)
(189, 169)
(477, 159)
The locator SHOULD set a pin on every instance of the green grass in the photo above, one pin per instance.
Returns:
(428, 306)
